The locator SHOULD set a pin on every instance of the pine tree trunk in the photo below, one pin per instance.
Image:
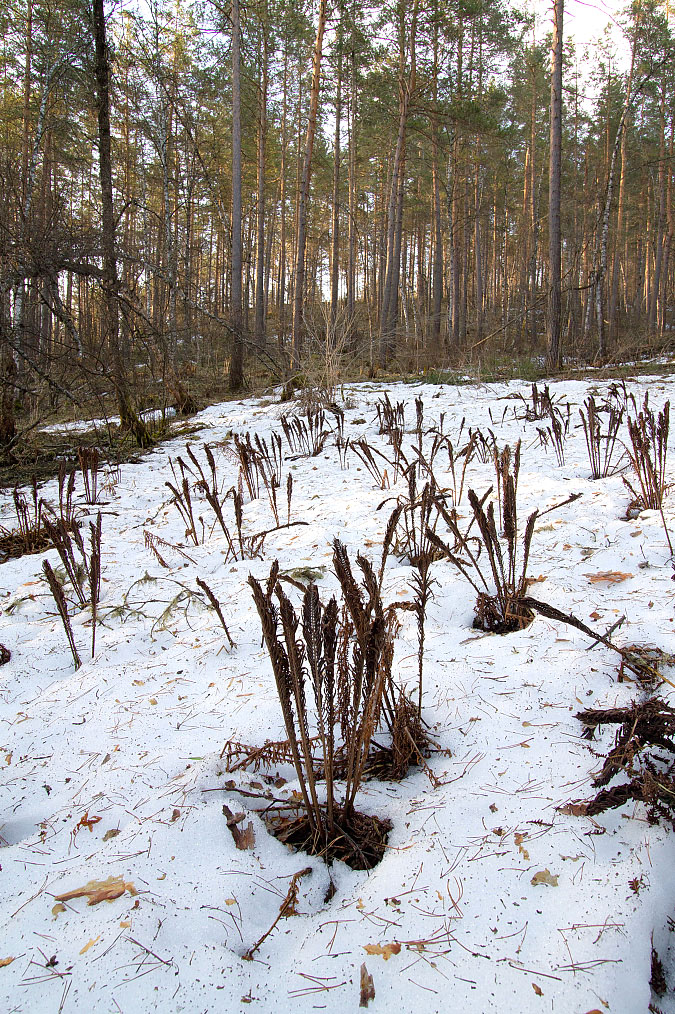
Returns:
(301, 242)
(260, 287)
(128, 417)
(555, 164)
(236, 322)
(335, 223)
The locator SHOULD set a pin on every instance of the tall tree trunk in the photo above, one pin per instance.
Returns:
(282, 201)
(128, 417)
(237, 357)
(555, 163)
(335, 223)
(303, 202)
(603, 224)
(534, 219)
(437, 267)
(661, 218)
(260, 287)
(389, 311)
(351, 237)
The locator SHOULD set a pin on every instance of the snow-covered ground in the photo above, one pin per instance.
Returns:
(491, 897)
(84, 425)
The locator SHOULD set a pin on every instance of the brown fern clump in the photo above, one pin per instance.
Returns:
(84, 572)
(501, 585)
(342, 657)
(647, 454)
(602, 445)
(89, 460)
(28, 535)
(499, 606)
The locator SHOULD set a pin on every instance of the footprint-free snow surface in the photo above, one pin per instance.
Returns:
(490, 897)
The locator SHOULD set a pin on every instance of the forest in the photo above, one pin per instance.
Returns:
(196, 197)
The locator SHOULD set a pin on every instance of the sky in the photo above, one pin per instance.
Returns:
(584, 20)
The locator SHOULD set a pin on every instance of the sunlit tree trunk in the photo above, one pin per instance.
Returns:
(555, 163)
(301, 242)
(237, 357)
(260, 287)
(335, 215)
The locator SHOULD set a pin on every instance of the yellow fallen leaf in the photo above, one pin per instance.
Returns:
(90, 944)
(139, 683)
(153, 700)
(5, 961)
(58, 909)
(125, 925)
(545, 877)
(99, 890)
(519, 839)
(230, 901)
(384, 950)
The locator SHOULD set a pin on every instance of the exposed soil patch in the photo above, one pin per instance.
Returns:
(359, 839)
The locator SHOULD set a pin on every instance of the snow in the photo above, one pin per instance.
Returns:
(134, 737)
(84, 425)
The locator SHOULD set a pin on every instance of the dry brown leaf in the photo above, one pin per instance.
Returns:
(99, 890)
(230, 901)
(8, 961)
(58, 909)
(125, 924)
(90, 944)
(537, 990)
(242, 839)
(545, 877)
(112, 833)
(595, 615)
(87, 821)
(608, 577)
(367, 987)
(383, 950)
(246, 839)
(573, 809)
